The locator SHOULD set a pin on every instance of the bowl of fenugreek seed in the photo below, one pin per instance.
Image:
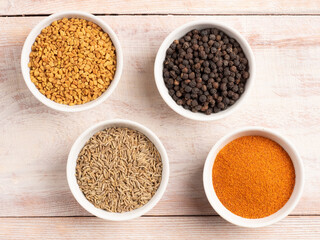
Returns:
(118, 170)
(71, 61)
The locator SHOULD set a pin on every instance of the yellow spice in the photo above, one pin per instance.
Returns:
(72, 61)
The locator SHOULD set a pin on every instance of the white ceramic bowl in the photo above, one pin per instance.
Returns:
(245, 222)
(72, 162)
(27, 49)
(177, 34)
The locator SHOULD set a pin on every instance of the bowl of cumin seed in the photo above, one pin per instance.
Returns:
(118, 170)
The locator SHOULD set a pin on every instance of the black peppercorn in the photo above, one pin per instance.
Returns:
(205, 71)
(187, 89)
(194, 103)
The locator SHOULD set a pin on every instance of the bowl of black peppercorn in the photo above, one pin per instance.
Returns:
(204, 70)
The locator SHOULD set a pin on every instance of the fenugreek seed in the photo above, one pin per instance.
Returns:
(72, 49)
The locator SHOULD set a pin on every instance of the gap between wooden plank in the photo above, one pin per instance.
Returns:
(146, 216)
(177, 14)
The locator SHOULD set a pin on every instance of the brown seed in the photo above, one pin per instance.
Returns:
(119, 169)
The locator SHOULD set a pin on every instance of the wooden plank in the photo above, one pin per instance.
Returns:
(35, 140)
(14, 7)
(154, 228)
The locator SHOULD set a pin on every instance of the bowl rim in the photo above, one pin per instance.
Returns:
(76, 191)
(181, 31)
(275, 217)
(26, 49)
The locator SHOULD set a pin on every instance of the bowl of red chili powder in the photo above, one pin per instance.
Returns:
(253, 177)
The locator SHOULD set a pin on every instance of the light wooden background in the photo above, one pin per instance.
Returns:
(35, 202)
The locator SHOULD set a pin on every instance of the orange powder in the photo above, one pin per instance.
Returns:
(253, 176)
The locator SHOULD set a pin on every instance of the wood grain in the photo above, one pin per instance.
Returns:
(154, 228)
(15, 7)
(35, 140)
